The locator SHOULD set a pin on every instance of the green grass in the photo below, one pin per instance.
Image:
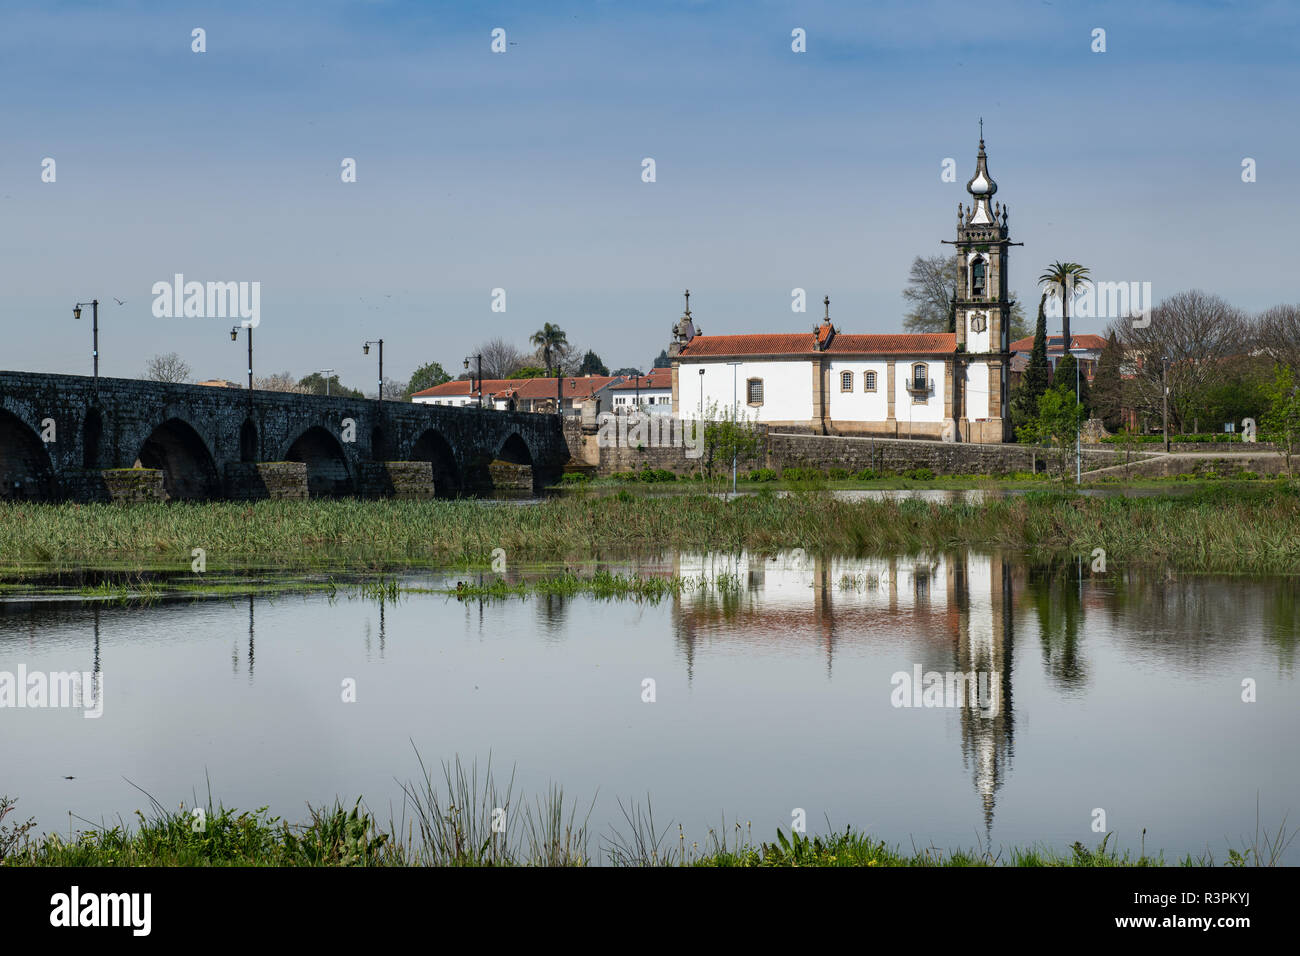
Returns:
(1247, 527)
(454, 819)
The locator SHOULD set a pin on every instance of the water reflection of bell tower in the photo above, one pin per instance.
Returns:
(980, 591)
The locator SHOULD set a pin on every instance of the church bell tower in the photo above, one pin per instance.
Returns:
(983, 307)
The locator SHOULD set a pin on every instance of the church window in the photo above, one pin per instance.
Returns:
(754, 391)
(868, 381)
(977, 279)
(846, 381)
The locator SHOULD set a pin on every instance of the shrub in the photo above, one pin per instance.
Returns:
(867, 474)
(837, 474)
(1248, 476)
(919, 474)
(801, 474)
(575, 478)
(763, 474)
(656, 474)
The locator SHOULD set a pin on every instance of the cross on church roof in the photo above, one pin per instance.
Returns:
(688, 301)
(827, 300)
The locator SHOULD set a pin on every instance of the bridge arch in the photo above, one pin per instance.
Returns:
(515, 450)
(176, 448)
(431, 446)
(25, 468)
(327, 467)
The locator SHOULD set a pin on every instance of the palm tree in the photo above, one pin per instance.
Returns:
(549, 338)
(1061, 279)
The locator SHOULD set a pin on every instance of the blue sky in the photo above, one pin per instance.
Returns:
(522, 170)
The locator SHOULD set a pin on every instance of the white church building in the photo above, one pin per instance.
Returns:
(950, 386)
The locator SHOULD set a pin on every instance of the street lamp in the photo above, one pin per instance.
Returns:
(1078, 428)
(324, 371)
(701, 395)
(1164, 383)
(479, 390)
(234, 337)
(76, 314)
(735, 407)
(365, 350)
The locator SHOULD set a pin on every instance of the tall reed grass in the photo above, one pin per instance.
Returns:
(1215, 529)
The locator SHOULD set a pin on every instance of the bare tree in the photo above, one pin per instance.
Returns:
(167, 368)
(931, 290)
(500, 358)
(1195, 334)
(1278, 331)
(281, 382)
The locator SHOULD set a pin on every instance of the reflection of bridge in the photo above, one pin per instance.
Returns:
(63, 436)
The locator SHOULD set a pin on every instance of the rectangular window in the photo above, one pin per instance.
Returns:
(846, 381)
(754, 391)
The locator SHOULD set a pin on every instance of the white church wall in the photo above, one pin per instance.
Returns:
(977, 390)
(858, 405)
(787, 390)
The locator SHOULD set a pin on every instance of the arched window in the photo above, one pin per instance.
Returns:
(977, 279)
(846, 381)
(868, 381)
(918, 377)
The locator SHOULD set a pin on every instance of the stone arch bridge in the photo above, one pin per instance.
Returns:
(70, 437)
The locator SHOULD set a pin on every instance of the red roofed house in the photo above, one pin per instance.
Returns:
(652, 393)
(950, 386)
(1086, 348)
(523, 394)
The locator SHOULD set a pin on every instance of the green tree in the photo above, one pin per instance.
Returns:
(1055, 425)
(663, 361)
(528, 371)
(550, 339)
(315, 385)
(725, 438)
(1107, 390)
(426, 376)
(1061, 279)
(1065, 376)
(628, 371)
(1281, 423)
(1034, 381)
(592, 365)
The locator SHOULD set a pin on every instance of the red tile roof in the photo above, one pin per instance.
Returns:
(895, 344)
(802, 343)
(573, 386)
(657, 378)
(1084, 341)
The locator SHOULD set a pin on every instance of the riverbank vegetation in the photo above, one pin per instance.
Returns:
(452, 824)
(1243, 527)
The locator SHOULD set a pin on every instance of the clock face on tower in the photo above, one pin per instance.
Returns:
(977, 322)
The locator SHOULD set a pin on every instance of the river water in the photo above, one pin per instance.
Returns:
(780, 685)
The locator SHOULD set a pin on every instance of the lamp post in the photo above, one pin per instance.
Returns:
(234, 337)
(1164, 387)
(365, 350)
(326, 372)
(479, 389)
(637, 400)
(76, 314)
(701, 395)
(734, 409)
(1078, 428)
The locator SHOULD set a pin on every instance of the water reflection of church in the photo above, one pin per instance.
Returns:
(953, 613)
